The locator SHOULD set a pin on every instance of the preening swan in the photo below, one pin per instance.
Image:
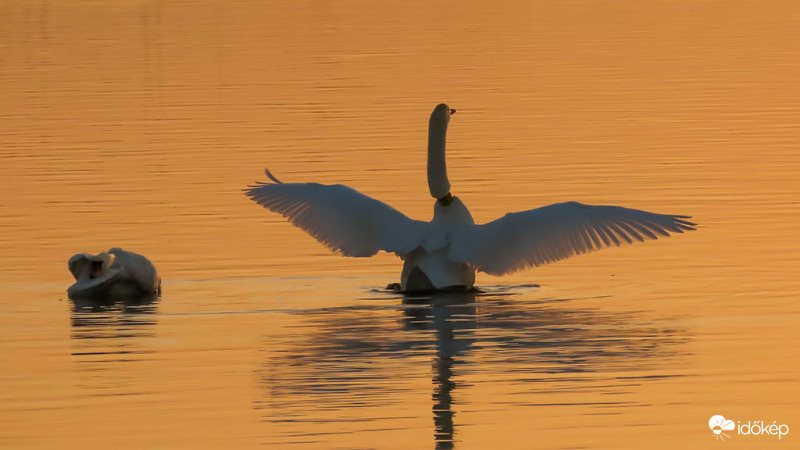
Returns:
(445, 252)
(113, 275)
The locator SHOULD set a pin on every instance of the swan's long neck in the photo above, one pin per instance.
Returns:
(438, 184)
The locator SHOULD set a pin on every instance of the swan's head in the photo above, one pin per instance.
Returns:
(92, 272)
(441, 114)
(85, 266)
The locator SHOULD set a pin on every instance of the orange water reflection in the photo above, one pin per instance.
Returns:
(542, 347)
(136, 124)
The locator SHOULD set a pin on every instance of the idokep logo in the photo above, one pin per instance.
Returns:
(719, 425)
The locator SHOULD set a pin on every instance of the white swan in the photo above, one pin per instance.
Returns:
(445, 252)
(116, 274)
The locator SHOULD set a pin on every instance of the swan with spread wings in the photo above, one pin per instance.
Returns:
(446, 252)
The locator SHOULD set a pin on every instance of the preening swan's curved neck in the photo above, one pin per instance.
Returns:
(438, 184)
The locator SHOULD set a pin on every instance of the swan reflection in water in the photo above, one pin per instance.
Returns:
(356, 357)
(445, 313)
(107, 332)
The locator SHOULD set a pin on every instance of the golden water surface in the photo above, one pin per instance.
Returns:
(137, 123)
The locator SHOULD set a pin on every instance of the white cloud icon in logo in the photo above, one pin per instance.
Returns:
(718, 424)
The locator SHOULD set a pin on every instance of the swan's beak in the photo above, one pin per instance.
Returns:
(452, 111)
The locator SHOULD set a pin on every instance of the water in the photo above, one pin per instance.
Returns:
(137, 124)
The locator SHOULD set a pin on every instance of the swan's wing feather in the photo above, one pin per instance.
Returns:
(76, 263)
(343, 219)
(543, 235)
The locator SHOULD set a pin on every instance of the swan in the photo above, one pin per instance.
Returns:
(115, 274)
(446, 252)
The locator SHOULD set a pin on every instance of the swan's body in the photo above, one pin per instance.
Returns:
(116, 274)
(445, 252)
(432, 269)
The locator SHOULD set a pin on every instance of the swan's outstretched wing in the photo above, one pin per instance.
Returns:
(341, 218)
(540, 236)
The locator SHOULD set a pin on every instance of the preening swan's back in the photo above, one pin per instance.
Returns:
(539, 236)
(341, 218)
(116, 273)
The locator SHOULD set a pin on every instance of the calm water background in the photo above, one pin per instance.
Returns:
(137, 123)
